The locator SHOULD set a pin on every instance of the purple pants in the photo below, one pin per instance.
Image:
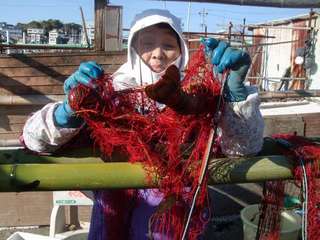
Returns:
(150, 199)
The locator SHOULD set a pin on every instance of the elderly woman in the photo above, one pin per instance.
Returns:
(155, 42)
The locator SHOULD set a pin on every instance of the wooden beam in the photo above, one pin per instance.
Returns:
(226, 34)
(99, 25)
(30, 99)
(113, 28)
(266, 3)
(43, 46)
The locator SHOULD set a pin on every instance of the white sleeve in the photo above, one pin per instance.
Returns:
(40, 133)
(123, 78)
(242, 126)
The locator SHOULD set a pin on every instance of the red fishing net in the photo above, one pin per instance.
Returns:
(167, 143)
(270, 209)
(306, 158)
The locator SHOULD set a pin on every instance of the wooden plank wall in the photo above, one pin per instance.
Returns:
(41, 74)
(113, 30)
(25, 209)
(303, 124)
(45, 73)
(32, 209)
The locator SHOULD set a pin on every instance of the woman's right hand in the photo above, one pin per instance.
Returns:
(86, 74)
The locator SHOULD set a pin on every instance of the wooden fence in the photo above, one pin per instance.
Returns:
(41, 74)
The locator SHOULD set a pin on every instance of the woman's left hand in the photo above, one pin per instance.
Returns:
(224, 57)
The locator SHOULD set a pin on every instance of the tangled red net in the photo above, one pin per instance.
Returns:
(166, 142)
(305, 155)
(172, 146)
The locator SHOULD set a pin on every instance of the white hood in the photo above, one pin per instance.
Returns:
(135, 72)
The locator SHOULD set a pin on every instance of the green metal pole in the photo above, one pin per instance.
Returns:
(84, 155)
(254, 169)
(83, 169)
(89, 176)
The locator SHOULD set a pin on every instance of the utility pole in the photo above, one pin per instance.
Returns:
(243, 32)
(203, 14)
(230, 31)
(188, 19)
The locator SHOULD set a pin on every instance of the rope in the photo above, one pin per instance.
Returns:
(304, 229)
(211, 140)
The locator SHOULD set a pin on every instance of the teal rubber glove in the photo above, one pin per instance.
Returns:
(87, 72)
(224, 57)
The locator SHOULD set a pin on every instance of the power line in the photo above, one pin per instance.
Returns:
(188, 17)
(203, 14)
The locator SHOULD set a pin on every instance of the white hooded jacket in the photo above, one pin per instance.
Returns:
(135, 72)
(241, 126)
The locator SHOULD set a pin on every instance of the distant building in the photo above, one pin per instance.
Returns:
(57, 37)
(53, 36)
(275, 59)
(74, 37)
(11, 31)
(36, 35)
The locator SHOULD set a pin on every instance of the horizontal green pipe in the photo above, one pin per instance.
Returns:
(47, 177)
(85, 155)
(253, 169)
(83, 169)
(89, 176)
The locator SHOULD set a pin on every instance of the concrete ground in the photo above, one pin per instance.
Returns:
(42, 230)
(227, 202)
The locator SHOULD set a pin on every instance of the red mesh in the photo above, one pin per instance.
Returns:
(308, 152)
(270, 209)
(170, 143)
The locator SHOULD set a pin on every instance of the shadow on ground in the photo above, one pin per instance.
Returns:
(227, 202)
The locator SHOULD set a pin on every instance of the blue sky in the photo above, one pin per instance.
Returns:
(13, 11)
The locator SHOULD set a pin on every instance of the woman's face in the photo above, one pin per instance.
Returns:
(158, 47)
